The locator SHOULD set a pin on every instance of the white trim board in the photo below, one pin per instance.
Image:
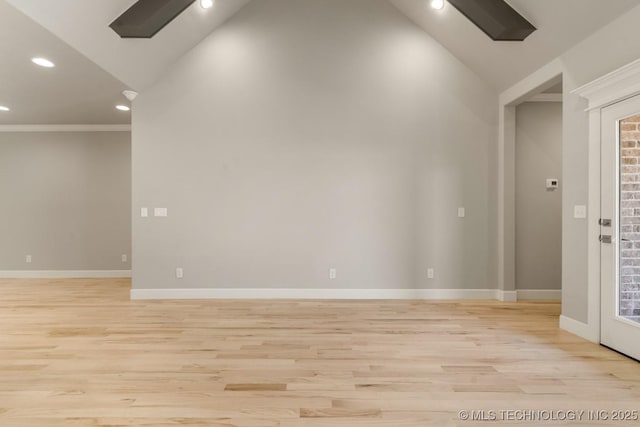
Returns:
(64, 274)
(539, 294)
(506, 296)
(65, 128)
(237, 293)
(580, 329)
(546, 97)
(356, 294)
(616, 86)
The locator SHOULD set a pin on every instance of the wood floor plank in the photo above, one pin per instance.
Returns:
(80, 353)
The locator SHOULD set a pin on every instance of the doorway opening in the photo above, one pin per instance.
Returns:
(538, 196)
(545, 83)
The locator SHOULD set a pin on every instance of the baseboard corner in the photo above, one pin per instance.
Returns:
(583, 330)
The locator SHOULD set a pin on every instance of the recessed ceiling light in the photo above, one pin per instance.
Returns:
(206, 4)
(123, 108)
(43, 62)
(3, 108)
(437, 4)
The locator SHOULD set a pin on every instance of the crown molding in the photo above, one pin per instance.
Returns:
(616, 86)
(65, 128)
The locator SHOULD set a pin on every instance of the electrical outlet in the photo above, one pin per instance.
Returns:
(124, 258)
(179, 273)
(430, 273)
(333, 273)
(27, 258)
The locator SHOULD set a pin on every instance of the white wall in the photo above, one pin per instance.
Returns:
(66, 200)
(302, 136)
(538, 210)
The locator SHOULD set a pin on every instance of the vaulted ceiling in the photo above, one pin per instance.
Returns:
(75, 91)
(77, 30)
(84, 25)
(561, 24)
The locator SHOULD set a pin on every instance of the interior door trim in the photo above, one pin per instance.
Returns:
(607, 90)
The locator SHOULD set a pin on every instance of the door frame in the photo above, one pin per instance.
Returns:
(616, 330)
(543, 79)
(621, 84)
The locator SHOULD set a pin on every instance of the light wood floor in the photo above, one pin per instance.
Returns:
(79, 353)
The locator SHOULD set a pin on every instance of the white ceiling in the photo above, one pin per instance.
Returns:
(79, 91)
(76, 91)
(84, 24)
(561, 24)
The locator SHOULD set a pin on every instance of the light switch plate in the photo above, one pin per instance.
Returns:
(144, 212)
(580, 212)
(160, 212)
(461, 213)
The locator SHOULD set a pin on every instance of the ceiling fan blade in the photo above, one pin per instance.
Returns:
(146, 17)
(496, 18)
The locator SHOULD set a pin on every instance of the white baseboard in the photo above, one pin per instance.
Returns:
(506, 296)
(210, 293)
(64, 274)
(583, 330)
(539, 294)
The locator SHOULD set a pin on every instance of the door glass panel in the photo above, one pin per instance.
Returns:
(629, 221)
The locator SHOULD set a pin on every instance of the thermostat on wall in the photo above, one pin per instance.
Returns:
(552, 183)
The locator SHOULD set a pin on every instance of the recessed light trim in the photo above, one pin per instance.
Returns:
(123, 108)
(3, 108)
(43, 62)
(437, 4)
(206, 4)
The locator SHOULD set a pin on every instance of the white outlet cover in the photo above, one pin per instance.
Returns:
(179, 273)
(28, 258)
(124, 258)
(552, 183)
(461, 212)
(430, 273)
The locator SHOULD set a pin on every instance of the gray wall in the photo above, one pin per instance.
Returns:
(66, 200)
(538, 211)
(302, 136)
(615, 45)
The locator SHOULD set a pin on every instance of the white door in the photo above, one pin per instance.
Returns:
(620, 227)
